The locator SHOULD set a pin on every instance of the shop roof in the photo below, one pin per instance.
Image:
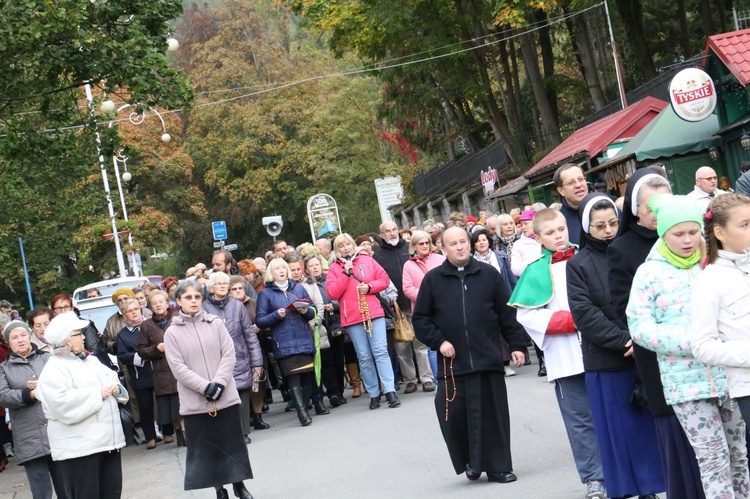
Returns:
(510, 188)
(733, 49)
(668, 135)
(593, 139)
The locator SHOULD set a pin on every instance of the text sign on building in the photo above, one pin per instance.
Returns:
(390, 193)
(692, 94)
(323, 214)
(489, 180)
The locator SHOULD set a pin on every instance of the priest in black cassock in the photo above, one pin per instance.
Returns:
(461, 312)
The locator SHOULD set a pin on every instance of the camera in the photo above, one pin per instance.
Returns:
(273, 225)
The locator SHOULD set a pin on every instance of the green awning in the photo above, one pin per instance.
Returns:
(668, 135)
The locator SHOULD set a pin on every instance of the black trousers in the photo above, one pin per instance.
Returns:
(337, 358)
(98, 475)
(145, 398)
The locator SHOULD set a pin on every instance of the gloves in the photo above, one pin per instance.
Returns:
(213, 391)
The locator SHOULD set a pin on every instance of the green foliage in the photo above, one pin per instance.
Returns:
(50, 181)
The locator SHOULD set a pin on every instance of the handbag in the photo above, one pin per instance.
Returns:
(404, 332)
(128, 425)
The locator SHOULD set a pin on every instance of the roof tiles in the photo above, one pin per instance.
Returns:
(595, 138)
(733, 49)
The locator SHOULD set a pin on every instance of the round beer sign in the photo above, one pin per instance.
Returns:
(692, 94)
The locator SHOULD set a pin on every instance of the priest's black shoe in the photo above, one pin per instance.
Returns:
(501, 476)
(320, 408)
(542, 369)
(222, 494)
(471, 474)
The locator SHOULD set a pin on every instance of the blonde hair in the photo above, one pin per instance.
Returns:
(720, 210)
(545, 215)
(341, 239)
(126, 303)
(276, 262)
(416, 237)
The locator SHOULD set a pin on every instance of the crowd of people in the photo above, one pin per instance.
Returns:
(636, 308)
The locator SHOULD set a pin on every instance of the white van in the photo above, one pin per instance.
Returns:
(100, 308)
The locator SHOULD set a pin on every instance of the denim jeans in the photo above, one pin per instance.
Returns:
(367, 347)
(432, 357)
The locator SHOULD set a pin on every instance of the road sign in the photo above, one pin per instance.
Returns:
(389, 192)
(230, 247)
(218, 244)
(219, 229)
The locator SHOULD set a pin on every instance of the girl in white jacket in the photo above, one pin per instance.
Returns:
(721, 297)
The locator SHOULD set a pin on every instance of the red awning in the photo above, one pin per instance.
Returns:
(593, 139)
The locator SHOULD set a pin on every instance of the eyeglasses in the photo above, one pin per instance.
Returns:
(222, 284)
(63, 308)
(710, 179)
(423, 243)
(603, 225)
(574, 181)
(238, 288)
(191, 297)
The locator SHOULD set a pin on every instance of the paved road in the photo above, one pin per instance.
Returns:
(355, 452)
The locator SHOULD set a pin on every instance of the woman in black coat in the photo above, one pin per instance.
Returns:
(635, 238)
(626, 435)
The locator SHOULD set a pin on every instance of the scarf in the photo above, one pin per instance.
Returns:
(132, 324)
(509, 241)
(486, 258)
(535, 288)
(283, 287)
(162, 320)
(681, 262)
(564, 256)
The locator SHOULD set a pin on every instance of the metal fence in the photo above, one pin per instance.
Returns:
(657, 87)
(741, 19)
(462, 172)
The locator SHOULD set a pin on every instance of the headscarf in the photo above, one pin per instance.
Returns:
(584, 213)
(628, 220)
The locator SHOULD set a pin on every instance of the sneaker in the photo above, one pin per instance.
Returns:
(410, 388)
(509, 372)
(595, 490)
(8, 449)
(428, 386)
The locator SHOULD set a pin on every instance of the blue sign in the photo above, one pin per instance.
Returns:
(219, 229)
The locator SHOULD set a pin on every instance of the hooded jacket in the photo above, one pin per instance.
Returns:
(246, 345)
(200, 351)
(291, 334)
(720, 311)
(626, 253)
(30, 439)
(343, 288)
(467, 308)
(392, 259)
(659, 317)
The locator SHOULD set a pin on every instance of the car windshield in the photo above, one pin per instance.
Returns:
(106, 289)
(99, 315)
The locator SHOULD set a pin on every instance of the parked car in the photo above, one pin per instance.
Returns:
(100, 308)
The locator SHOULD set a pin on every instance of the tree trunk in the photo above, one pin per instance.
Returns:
(512, 109)
(708, 22)
(548, 60)
(586, 63)
(547, 116)
(684, 30)
(599, 44)
(516, 83)
(538, 134)
(631, 12)
(723, 9)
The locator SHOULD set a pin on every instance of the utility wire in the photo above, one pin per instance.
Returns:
(366, 69)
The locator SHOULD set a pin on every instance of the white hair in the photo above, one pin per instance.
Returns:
(215, 275)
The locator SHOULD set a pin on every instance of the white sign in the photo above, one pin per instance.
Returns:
(390, 193)
(693, 94)
(230, 247)
(323, 214)
(488, 180)
(218, 244)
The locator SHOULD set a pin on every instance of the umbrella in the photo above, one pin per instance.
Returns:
(316, 339)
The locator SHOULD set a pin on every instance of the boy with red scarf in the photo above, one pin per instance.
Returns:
(541, 297)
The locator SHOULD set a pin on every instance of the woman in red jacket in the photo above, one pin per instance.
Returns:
(355, 280)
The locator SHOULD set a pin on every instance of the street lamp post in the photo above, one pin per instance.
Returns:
(107, 191)
(136, 119)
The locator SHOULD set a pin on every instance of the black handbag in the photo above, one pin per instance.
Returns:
(128, 425)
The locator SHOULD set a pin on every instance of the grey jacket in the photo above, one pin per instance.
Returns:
(246, 345)
(29, 422)
(743, 184)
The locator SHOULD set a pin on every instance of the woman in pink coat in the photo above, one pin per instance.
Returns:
(355, 280)
(421, 260)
